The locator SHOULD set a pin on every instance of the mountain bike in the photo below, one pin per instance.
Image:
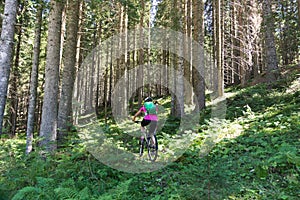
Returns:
(150, 141)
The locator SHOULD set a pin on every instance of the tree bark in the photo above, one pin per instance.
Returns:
(140, 71)
(298, 4)
(78, 59)
(34, 79)
(179, 111)
(235, 44)
(219, 59)
(105, 90)
(165, 76)
(198, 70)
(92, 70)
(98, 63)
(110, 73)
(68, 76)
(15, 77)
(133, 78)
(241, 46)
(6, 50)
(188, 92)
(48, 131)
(271, 57)
(125, 63)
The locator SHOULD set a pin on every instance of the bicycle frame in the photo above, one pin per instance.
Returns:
(151, 144)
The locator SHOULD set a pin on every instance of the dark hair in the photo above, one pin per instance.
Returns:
(148, 99)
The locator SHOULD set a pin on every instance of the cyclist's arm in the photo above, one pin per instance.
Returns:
(136, 114)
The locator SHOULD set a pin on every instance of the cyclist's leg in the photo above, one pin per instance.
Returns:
(143, 124)
(152, 130)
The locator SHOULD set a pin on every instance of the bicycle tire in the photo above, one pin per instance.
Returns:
(152, 150)
(141, 147)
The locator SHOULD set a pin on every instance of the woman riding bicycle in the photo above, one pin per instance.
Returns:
(150, 118)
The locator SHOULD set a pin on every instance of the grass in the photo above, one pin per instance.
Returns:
(256, 155)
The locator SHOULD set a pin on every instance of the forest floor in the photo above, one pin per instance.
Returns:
(256, 155)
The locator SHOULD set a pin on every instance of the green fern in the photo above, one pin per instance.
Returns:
(44, 182)
(65, 193)
(84, 194)
(69, 193)
(117, 193)
(27, 193)
(69, 183)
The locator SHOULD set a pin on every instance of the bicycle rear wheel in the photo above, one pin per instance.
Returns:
(152, 149)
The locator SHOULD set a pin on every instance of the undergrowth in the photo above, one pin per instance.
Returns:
(262, 161)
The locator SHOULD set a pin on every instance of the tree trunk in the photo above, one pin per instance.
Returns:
(256, 59)
(90, 75)
(147, 61)
(140, 71)
(179, 112)
(34, 80)
(235, 44)
(187, 51)
(68, 76)
(174, 100)
(78, 60)
(256, 23)
(6, 50)
(98, 63)
(219, 49)
(15, 77)
(198, 70)
(48, 131)
(105, 90)
(125, 63)
(241, 46)
(165, 76)
(298, 3)
(39, 112)
(271, 58)
(110, 73)
(133, 78)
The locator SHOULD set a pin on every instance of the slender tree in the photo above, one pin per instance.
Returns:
(235, 43)
(218, 41)
(179, 110)
(34, 79)
(6, 49)
(175, 23)
(298, 5)
(98, 63)
(48, 129)
(78, 57)
(140, 71)
(126, 61)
